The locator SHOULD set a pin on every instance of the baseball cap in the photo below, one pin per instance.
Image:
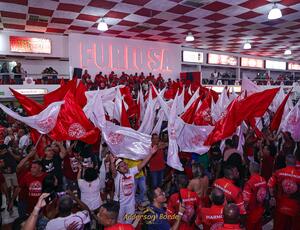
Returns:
(117, 162)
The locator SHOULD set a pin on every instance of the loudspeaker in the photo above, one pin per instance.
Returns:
(77, 72)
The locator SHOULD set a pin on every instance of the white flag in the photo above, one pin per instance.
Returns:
(249, 86)
(192, 137)
(292, 122)
(43, 122)
(173, 129)
(193, 98)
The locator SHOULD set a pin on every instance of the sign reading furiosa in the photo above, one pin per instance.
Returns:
(116, 54)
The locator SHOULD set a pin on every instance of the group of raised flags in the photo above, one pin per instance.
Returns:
(196, 120)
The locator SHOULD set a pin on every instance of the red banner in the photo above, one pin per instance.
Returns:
(30, 45)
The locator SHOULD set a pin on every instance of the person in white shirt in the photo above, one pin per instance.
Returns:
(125, 186)
(90, 188)
(66, 218)
(24, 139)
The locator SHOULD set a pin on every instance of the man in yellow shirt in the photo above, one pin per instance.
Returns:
(140, 180)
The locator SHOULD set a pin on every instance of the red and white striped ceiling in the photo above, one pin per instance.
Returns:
(222, 25)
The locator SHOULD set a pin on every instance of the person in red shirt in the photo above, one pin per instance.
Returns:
(255, 193)
(86, 77)
(231, 217)
(190, 201)
(32, 184)
(285, 184)
(157, 162)
(212, 218)
(108, 216)
(231, 191)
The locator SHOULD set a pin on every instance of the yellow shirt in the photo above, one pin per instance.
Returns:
(133, 163)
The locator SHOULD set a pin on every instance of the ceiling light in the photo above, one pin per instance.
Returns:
(189, 37)
(287, 52)
(274, 13)
(102, 26)
(247, 45)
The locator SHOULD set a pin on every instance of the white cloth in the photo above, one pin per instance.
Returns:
(24, 141)
(90, 193)
(191, 137)
(250, 87)
(291, 123)
(61, 223)
(7, 139)
(173, 158)
(125, 187)
(43, 122)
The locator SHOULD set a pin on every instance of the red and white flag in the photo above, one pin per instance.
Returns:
(43, 122)
(250, 87)
(291, 122)
(72, 123)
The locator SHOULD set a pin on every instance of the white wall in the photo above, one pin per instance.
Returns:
(107, 54)
(59, 44)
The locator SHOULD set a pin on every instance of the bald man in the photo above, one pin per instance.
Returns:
(231, 214)
(285, 184)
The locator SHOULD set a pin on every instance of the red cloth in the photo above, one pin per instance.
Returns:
(230, 226)
(2, 131)
(253, 106)
(72, 124)
(188, 115)
(287, 181)
(59, 94)
(255, 192)
(211, 217)
(33, 187)
(120, 227)
(80, 97)
(232, 192)
(124, 117)
(278, 115)
(286, 222)
(70, 167)
(157, 161)
(203, 114)
(192, 203)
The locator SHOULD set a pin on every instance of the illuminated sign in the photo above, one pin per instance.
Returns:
(252, 62)
(30, 45)
(293, 66)
(117, 54)
(219, 89)
(220, 59)
(192, 56)
(31, 91)
(279, 65)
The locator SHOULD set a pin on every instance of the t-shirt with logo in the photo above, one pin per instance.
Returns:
(53, 165)
(62, 223)
(125, 187)
(120, 227)
(33, 188)
(211, 218)
(70, 166)
(192, 204)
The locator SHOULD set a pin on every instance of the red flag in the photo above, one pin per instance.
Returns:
(62, 82)
(72, 124)
(257, 132)
(188, 115)
(80, 97)
(275, 123)
(253, 106)
(203, 114)
(124, 117)
(59, 94)
(30, 106)
(187, 97)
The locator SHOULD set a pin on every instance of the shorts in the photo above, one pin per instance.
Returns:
(11, 180)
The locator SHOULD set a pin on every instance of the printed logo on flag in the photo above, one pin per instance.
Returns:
(198, 139)
(76, 130)
(115, 138)
(46, 125)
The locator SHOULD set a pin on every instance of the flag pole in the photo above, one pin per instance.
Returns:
(38, 141)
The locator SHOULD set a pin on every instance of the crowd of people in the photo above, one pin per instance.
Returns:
(73, 185)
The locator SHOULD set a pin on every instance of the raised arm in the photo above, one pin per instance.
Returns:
(145, 161)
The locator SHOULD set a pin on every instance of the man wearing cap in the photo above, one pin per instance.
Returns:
(125, 186)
